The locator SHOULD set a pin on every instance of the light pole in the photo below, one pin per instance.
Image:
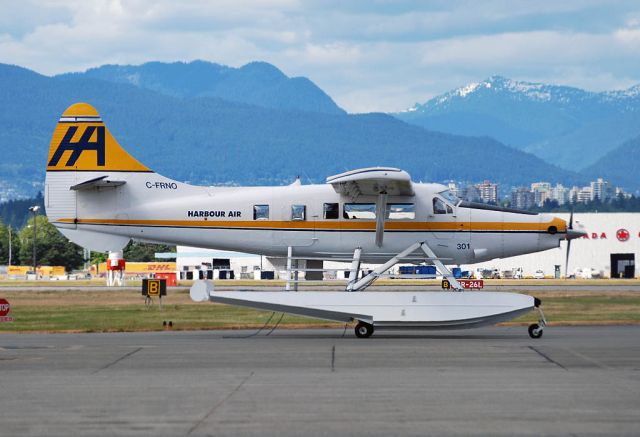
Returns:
(9, 228)
(34, 210)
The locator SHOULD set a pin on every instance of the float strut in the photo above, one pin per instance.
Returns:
(455, 285)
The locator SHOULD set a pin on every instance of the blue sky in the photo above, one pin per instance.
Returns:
(368, 55)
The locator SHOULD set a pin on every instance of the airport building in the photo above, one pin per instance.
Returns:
(610, 250)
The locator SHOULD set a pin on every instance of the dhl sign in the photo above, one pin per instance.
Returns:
(42, 270)
(144, 267)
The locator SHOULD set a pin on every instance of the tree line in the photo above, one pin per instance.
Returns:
(617, 204)
(54, 249)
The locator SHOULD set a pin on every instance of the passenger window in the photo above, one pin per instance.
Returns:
(359, 211)
(449, 210)
(298, 212)
(438, 206)
(261, 212)
(401, 211)
(331, 211)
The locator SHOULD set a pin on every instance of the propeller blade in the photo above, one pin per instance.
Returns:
(571, 219)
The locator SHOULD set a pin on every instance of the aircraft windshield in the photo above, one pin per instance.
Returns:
(450, 197)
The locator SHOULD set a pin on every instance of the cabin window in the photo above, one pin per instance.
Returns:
(439, 206)
(401, 211)
(298, 212)
(331, 211)
(449, 209)
(261, 212)
(359, 211)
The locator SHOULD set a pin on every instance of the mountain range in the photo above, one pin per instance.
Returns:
(566, 126)
(256, 83)
(191, 136)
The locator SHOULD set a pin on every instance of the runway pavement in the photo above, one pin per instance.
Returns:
(494, 381)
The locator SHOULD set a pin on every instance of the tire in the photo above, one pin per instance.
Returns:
(363, 330)
(535, 331)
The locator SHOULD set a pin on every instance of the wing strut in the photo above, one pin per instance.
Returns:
(431, 257)
(381, 216)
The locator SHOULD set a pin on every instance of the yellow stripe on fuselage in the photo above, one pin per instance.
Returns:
(334, 225)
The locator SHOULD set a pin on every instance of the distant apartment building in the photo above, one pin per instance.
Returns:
(560, 194)
(584, 195)
(488, 192)
(601, 189)
(522, 198)
(541, 192)
(621, 193)
(538, 193)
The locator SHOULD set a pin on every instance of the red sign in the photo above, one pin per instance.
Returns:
(471, 284)
(5, 307)
(623, 234)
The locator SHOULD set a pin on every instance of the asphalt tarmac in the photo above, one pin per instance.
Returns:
(493, 381)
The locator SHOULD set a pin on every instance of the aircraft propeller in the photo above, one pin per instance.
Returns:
(566, 259)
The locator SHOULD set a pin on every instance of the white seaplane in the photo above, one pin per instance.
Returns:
(100, 197)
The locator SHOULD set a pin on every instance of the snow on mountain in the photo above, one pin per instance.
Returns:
(564, 125)
(521, 90)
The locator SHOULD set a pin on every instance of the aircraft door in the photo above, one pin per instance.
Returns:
(443, 219)
(301, 224)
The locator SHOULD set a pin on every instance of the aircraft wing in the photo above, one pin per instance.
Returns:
(373, 181)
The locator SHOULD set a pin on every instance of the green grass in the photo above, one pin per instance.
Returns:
(623, 308)
(116, 311)
(120, 311)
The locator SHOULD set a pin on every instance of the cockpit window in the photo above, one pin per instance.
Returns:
(439, 206)
(450, 197)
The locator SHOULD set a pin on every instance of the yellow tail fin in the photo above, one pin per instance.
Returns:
(81, 142)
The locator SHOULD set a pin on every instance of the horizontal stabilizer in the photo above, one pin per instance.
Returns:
(99, 182)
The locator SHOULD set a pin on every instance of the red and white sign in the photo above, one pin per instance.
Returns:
(115, 264)
(471, 284)
(622, 234)
(467, 284)
(5, 307)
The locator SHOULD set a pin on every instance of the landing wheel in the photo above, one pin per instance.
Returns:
(535, 331)
(364, 330)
